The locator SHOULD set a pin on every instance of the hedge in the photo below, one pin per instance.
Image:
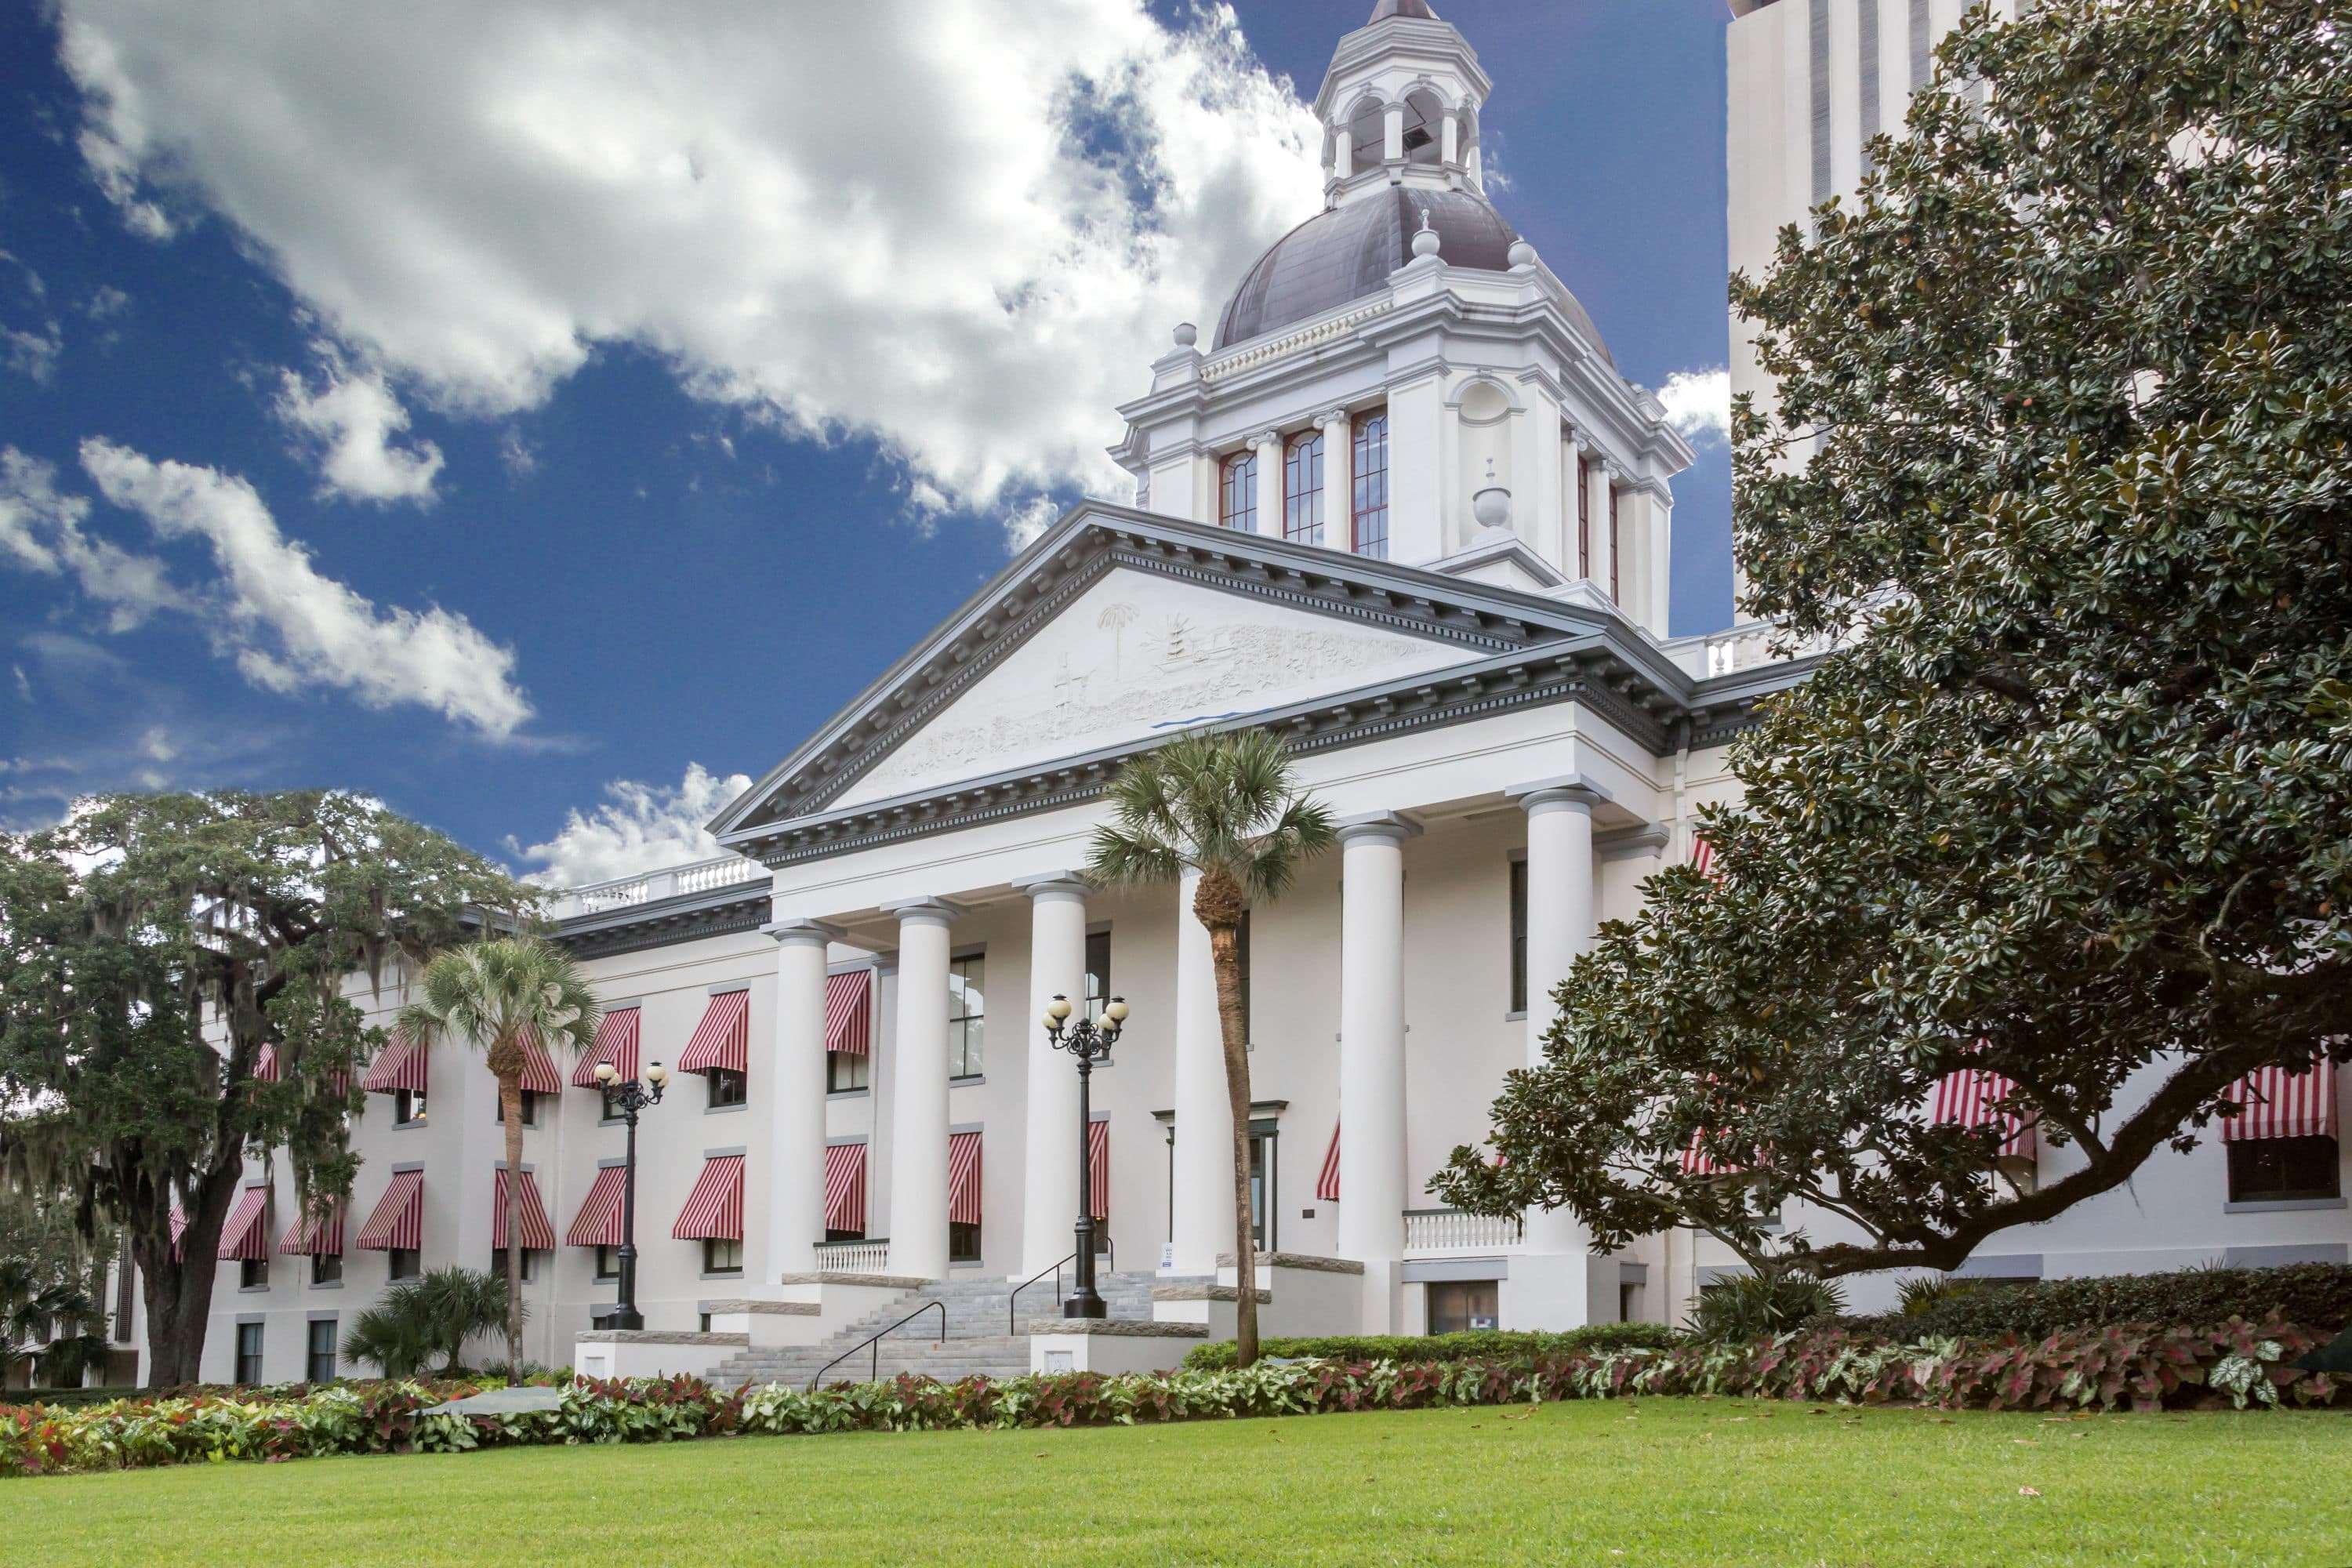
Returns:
(2317, 1296)
(2109, 1368)
(1478, 1344)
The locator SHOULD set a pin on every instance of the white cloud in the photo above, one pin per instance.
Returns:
(288, 628)
(640, 827)
(24, 681)
(1698, 403)
(350, 419)
(41, 532)
(1024, 522)
(961, 228)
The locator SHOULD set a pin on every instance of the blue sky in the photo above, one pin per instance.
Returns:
(504, 406)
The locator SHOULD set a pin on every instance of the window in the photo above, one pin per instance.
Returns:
(722, 1255)
(608, 1263)
(1302, 490)
(2271, 1170)
(326, 1268)
(1369, 532)
(320, 1365)
(1265, 1191)
(1616, 549)
(499, 1263)
(612, 1111)
(728, 1086)
(963, 1243)
(248, 1353)
(1097, 974)
(530, 1109)
(844, 1070)
(253, 1273)
(407, 1106)
(1457, 1306)
(401, 1263)
(1237, 496)
(967, 1017)
(1519, 936)
(1584, 517)
(1629, 1301)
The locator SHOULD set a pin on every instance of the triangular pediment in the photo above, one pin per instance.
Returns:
(1137, 654)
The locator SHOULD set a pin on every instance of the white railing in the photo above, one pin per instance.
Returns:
(1451, 1230)
(620, 893)
(854, 1257)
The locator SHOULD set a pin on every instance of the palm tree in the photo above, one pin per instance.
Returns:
(496, 994)
(417, 1320)
(1230, 808)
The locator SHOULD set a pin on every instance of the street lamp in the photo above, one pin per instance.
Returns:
(1087, 1043)
(631, 1096)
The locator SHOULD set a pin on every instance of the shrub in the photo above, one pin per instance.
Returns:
(1755, 1305)
(1477, 1344)
(416, 1320)
(2314, 1296)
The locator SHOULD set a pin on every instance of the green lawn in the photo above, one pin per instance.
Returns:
(1657, 1481)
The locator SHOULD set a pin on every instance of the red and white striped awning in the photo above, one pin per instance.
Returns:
(1098, 1167)
(315, 1235)
(539, 1075)
(963, 1178)
(598, 1223)
(538, 1235)
(179, 1229)
(246, 1236)
(1699, 1160)
(1703, 858)
(398, 1222)
(849, 1011)
(264, 1064)
(616, 1042)
(1326, 1184)
(844, 1187)
(2281, 1104)
(715, 1208)
(723, 1039)
(1967, 1098)
(400, 1065)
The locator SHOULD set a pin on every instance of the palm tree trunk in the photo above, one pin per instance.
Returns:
(1225, 952)
(511, 1104)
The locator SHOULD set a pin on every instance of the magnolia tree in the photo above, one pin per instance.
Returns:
(2064, 399)
(174, 973)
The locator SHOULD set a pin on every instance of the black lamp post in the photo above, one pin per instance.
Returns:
(1087, 1043)
(631, 1096)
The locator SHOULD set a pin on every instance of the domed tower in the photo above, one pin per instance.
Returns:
(1401, 377)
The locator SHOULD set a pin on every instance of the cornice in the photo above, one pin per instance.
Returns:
(664, 922)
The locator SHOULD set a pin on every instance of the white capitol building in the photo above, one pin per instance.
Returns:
(1396, 503)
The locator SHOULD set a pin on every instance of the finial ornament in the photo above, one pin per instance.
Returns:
(1187, 334)
(1425, 241)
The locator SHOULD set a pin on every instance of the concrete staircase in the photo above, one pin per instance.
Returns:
(976, 1341)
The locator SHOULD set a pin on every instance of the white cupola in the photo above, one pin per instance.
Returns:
(1400, 106)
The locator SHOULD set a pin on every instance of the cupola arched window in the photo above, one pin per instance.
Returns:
(1302, 489)
(1368, 133)
(1425, 127)
(1237, 496)
(1370, 513)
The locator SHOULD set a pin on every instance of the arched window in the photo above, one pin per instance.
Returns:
(1367, 137)
(1238, 502)
(1302, 489)
(1370, 514)
(1424, 128)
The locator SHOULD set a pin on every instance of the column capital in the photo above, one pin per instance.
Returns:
(1055, 885)
(1573, 790)
(931, 911)
(802, 930)
(1331, 416)
(1377, 827)
(1269, 437)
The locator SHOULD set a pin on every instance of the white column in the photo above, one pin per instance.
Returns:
(796, 1075)
(1267, 444)
(1572, 498)
(1057, 967)
(1450, 141)
(1604, 482)
(1371, 1056)
(919, 1094)
(1338, 478)
(1203, 1222)
(1343, 154)
(1392, 135)
(1661, 561)
(1561, 925)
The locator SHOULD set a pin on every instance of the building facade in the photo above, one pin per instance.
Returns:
(1400, 508)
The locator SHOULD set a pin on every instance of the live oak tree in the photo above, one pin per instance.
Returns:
(2059, 461)
(1229, 809)
(152, 949)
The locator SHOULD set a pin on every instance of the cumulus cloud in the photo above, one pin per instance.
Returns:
(350, 419)
(1698, 403)
(960, 229)
(288, 628)
(33, 353)
(640, 827)
(41, 531)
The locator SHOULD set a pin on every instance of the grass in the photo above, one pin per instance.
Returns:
(1647, 1482)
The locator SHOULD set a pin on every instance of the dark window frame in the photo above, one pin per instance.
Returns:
(1237, 496)
(711, 1255)
(395, 1257)
(253, 1273)
(1518, 898)
(964, 1242)
(2285, 1170)
(320, 1363)
(1367, 477)
(727, 1088)
(1462, 1300)
(847, 1072)
(250, 1343)
(326, 1268)
(530, 1099)
(1302, 488)
(966, 1061)
(409, 1107)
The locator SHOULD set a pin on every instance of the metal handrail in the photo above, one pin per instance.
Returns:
(873, 1367)
(1012, 1319)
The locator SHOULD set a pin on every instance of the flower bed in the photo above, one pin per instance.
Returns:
(2109, 1368)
